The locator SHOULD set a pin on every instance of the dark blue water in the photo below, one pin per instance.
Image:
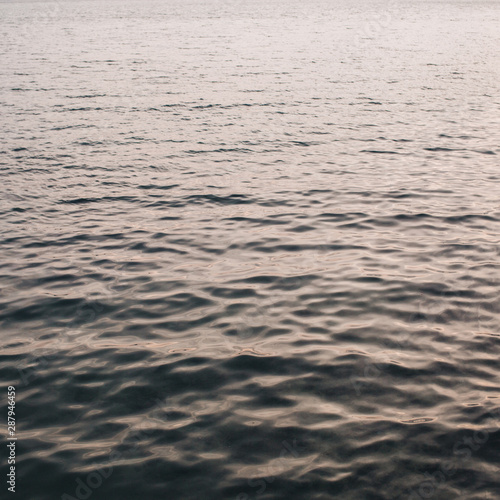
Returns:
(250, 250)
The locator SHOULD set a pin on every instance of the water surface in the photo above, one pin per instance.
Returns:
(250, 250)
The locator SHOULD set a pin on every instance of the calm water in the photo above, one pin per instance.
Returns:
(250, 250)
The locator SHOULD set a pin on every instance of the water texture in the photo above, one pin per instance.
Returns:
(250, 250)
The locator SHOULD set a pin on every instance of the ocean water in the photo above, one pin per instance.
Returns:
(250, 250)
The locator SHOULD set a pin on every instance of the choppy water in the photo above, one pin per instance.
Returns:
(250, 250)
